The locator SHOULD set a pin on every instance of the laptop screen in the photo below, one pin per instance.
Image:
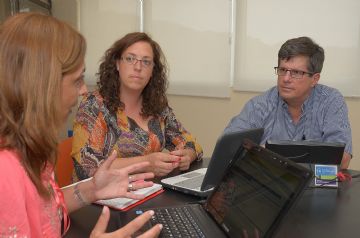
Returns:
(256, 192)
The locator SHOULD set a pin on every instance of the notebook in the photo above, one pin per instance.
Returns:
(202, 181)
(255, 194)
(311, 152)
(125, 204)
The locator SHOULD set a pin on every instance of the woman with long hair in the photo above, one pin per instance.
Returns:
(41, 77)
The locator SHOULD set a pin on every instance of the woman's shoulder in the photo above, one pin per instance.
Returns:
(10, 163)
(166, 112)
(9, 157)
(92, 102)
(92, 98)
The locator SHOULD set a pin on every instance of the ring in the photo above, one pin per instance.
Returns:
(130, 178)
(130, 187)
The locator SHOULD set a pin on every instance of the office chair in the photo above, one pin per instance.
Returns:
(64, 165)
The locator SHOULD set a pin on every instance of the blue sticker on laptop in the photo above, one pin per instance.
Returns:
(326, 175)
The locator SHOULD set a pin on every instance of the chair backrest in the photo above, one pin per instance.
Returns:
(64, 165)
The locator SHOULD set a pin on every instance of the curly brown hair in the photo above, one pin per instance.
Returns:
(154, 94)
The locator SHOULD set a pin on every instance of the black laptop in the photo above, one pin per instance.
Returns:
(309, 152)
(251, 200)
(202, 181)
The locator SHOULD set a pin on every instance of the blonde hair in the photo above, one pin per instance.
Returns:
(36, 51)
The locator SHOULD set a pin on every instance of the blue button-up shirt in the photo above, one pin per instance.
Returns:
(324, 117)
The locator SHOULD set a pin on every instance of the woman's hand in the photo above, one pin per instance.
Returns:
(162, 163)
(126, 231)
(108, 183)
(187, 156)
(111, 183)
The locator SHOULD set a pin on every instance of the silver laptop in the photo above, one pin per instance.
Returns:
(251, 200)
(202, 181)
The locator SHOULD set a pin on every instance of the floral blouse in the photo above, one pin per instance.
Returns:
(23, 212)
(97, 133)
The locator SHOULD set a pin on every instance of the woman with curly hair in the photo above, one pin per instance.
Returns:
(130, 113)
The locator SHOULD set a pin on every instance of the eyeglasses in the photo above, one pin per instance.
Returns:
(131, 59)
(297, 74)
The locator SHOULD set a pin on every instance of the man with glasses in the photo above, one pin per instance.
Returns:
(298, 108)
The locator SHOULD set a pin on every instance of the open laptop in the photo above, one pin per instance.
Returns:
(310, 152)
(202, 181)
(251, 200)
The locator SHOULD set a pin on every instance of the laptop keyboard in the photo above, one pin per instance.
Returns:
(177, 222)
(191, 183)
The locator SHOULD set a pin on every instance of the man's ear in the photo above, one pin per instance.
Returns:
(316, 78)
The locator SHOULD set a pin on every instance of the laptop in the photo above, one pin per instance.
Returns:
(309, 152)
(202, 181)
(256, 192)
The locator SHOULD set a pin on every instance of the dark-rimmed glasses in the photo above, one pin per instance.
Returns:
(131, 59)
(297, 74)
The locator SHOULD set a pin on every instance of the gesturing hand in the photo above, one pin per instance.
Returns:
(110, 183)
(126, 231)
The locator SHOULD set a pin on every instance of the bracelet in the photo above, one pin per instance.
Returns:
(78, 196)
